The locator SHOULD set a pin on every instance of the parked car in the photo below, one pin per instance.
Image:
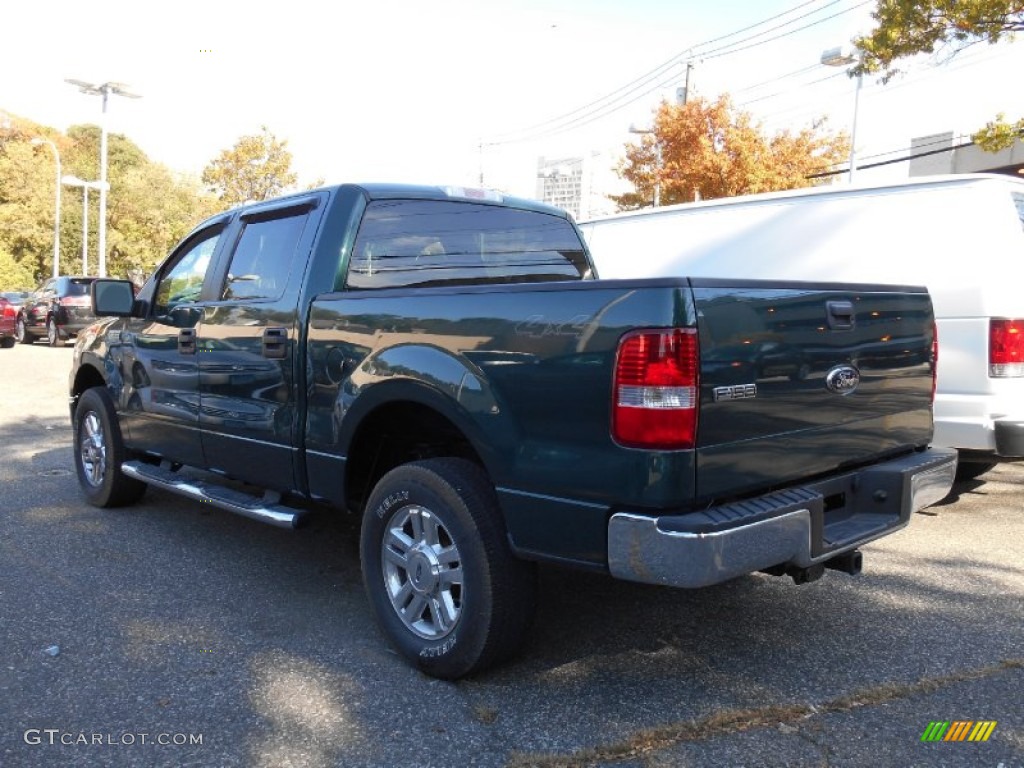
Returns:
(8, 314)
(16, 298)
(56, 311)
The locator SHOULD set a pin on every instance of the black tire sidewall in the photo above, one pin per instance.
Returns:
(458, 652)
(115, 489)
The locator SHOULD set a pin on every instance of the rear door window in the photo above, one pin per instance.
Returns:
(405, 243)
(263, 259)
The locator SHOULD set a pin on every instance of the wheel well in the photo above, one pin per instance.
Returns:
(86, 378)
(395, 434)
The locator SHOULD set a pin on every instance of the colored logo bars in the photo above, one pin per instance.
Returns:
(959, 730)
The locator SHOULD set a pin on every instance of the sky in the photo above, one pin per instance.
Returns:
(446, 91)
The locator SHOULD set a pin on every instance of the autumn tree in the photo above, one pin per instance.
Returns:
(909, 27)
(709, 149)
(257, 167)
(148, 211)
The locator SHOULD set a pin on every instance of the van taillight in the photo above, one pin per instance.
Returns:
(655, 389)
(1005, 348)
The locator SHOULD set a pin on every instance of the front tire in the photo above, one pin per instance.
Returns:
(53, 333)
(441, 579)
(100, 451)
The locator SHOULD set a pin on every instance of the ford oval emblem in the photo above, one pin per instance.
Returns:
(842, 379)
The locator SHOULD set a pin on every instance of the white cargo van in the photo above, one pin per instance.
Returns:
(961, 236)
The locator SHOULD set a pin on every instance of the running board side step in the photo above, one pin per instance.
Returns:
(266, 510)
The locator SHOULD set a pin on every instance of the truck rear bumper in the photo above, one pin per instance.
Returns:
(1009, 437)
(797, 527)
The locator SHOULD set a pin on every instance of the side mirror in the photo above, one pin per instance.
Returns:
(112, 298)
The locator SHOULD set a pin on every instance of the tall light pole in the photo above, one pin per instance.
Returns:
(56, 214)
(104, 90)
(842, 57)
(74, 181)
(657, 170)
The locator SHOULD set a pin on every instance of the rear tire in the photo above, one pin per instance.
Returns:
(99, 453)
(21, 332)
(7, 342)
(440, 577)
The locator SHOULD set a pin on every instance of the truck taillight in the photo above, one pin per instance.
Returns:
(655, 389)
(1005, 348)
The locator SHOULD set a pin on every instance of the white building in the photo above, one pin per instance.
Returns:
(580, 185)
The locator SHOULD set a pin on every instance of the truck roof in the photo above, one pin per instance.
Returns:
(391, 191)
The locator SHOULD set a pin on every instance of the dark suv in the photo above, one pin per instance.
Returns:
(56, 311)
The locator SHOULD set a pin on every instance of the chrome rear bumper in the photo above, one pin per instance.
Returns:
(797, 527)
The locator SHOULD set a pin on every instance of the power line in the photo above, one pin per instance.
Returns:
(613, 101)
(730, 49)
(826, 174)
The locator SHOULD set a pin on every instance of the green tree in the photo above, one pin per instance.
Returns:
(257, 167)
(710, 150)
(149, 214)
(27, 184)
(14, 275)
(909, 27)
(149, 209)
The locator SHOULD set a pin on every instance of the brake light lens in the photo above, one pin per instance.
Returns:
(1005, 348)
(655, 389)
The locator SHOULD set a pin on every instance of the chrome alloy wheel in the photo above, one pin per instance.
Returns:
(93, 449)
(422, 572)
(51, 332)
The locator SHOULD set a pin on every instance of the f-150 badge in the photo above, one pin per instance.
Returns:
(735, 392)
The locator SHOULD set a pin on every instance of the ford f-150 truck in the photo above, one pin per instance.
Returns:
(444, 363)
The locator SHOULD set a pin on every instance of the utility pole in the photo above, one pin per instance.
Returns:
(683, 94)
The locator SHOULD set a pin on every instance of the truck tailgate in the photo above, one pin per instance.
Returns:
(802, 379)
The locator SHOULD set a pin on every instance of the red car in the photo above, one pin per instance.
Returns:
(8, 316)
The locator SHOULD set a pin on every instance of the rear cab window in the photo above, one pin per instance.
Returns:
(408, 243)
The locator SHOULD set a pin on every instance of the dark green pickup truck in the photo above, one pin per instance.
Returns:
(444, 363)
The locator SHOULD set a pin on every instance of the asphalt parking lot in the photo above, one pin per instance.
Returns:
(169, 634)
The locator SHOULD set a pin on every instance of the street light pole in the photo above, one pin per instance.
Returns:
(853, 129)
(74, 181)
(103, 90)
(841, 57)
(56, 215)
(658, 160)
